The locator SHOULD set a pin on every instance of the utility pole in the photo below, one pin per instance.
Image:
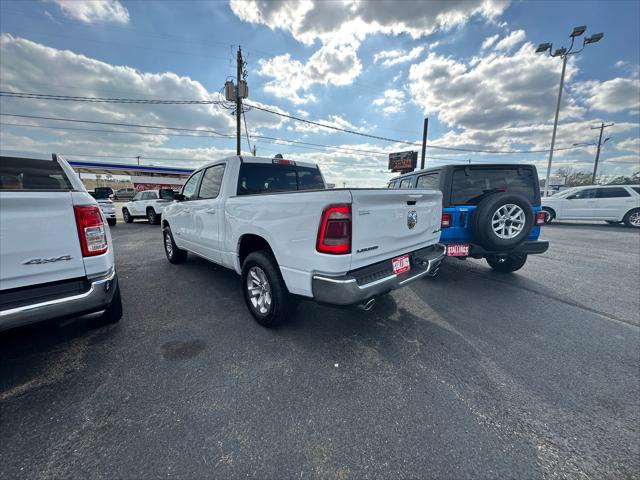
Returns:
(595, 166)
(424, 141)
(238, 101)
(254, 149)
(138, 157)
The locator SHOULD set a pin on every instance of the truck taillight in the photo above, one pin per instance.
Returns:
(540, 217)
(93, 238)
(334, 234)
(446, 220)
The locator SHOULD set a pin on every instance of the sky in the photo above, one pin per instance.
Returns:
(376, 67)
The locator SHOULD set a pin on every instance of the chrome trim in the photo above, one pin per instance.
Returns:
(344, 289)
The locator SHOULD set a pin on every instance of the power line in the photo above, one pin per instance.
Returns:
(71, 98)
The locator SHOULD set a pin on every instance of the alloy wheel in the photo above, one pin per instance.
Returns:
(259, 290)
(508, 221)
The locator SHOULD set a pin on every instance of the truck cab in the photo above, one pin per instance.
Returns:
(490, 211)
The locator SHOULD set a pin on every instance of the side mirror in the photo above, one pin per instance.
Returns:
(179, 197)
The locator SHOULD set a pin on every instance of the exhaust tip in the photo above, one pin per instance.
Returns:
(368, 305)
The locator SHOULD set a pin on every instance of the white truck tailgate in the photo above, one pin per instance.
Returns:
(387, 223)
(38, 239)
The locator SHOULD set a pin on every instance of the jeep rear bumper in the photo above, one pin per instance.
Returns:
(529, 247)
(364, 283)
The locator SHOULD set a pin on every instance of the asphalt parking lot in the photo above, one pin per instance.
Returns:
(470, 374)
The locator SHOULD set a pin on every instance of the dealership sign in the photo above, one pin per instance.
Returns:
(403, 161)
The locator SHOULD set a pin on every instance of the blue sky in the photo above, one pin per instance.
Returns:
(376, 67)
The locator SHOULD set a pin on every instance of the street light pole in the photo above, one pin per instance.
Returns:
(564, 53)
(555, 127)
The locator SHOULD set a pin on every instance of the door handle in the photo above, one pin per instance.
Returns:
(210, 211)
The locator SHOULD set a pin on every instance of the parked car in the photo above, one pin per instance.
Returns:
(56, 258)
(124, 194)
(611, 203)
(147, 204)
(274, 222)
(105, 204)
(104, 192)
(490, 211)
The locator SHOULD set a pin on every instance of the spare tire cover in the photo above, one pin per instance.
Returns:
(502, 221)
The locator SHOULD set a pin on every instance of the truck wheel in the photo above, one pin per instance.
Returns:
(502, 221)
(113, 313)
(174, 254)
(632, 218)
(507, 264)
(152, 217)
(265, 292)
(126, 216)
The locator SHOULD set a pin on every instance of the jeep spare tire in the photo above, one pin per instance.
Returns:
(502, 221)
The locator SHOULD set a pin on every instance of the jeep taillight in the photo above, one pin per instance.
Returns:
(540, 217)
(334, 234)
(446, 220)
(93, 238)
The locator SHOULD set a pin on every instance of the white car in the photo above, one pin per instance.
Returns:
(275, 223)
(147, 204)
(611, 203)
(56, 255)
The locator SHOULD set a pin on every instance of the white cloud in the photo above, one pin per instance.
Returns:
(489, 41)
(302, 113)
(333, 120)
(332, 64)
(511, 40)
(391, 102)
(91, 11)
(629, 145)
(615, 95)
(492, 92)
(395, 57)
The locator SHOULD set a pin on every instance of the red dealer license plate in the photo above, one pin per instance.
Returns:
(401, 264)
(459, 250)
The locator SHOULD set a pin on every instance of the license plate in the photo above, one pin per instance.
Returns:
(460, 250)
(401, 264)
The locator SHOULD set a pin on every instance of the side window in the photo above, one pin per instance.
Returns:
(211, 182)
(137, 196)
(153, 195)
(583, 194)
(391, 185)
(189, 189)
(637, 189)
(612, 192)
(430, 180)
(406, 183)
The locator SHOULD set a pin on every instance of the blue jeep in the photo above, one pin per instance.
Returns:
(489, 211)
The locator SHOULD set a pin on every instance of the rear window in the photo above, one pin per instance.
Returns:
(430, 180)
(257, 178)
(472, 185)
(612, 192)
(32, 174)
(637, 189)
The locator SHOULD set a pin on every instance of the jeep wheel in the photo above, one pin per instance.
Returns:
(265, 292)
(126, 216)
(507, 264)
(502, 221)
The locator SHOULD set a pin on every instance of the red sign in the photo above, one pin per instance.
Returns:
(153, 186)
(403, 161)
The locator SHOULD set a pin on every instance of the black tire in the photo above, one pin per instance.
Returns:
(174, 254)
(111, 222)
(113, 313)
(152, 217)
(282, 302)
(613, 222)
(127, 216)
(632, 218)
(482, 221)
(549, 216)
(507, 264)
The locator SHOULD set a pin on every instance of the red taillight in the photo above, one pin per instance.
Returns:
(93, 238)
(334, 234)
(446, 220)
(540, 217)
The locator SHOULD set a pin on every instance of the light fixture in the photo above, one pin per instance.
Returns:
(543, 47)
(577, 31)
(596, 37)
(559, 52)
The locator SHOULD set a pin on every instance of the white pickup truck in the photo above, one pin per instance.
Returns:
(274, 222)
(56, 256)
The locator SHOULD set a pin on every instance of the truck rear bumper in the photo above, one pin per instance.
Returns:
(362, 284)
(97, 297)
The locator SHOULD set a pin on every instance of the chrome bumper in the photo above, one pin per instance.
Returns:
(97, 298)
(347, 290)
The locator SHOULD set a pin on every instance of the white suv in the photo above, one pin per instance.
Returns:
(147, 204)
(611, 203)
